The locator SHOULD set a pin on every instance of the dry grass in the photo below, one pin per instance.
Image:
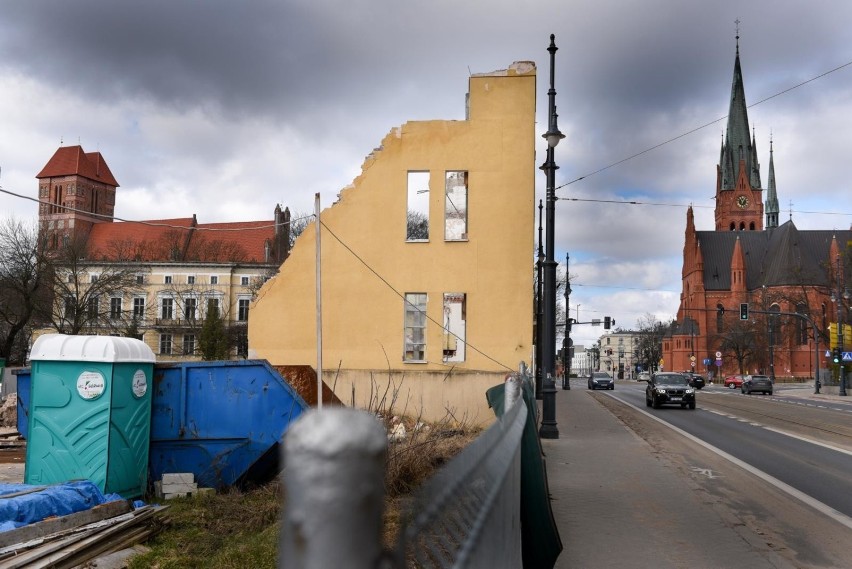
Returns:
(241, 529)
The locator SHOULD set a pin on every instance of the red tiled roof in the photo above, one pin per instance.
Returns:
(70, 160)
(161, 240)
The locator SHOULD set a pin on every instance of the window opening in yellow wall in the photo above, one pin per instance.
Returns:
(417, 213)
(415, 327)
(454, 326)
(455, 208)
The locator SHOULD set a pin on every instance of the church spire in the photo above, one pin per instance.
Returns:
(771, 195)
(738, 145)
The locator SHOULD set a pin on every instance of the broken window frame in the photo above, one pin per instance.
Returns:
(455, 327)
(455, 205)
(414, 327)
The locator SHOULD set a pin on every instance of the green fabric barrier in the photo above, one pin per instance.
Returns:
(540, 541)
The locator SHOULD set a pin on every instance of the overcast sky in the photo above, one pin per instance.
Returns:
(224, 108)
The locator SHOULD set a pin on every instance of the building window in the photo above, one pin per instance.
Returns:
(93, 278)
(455, 315)
(214, 279)
(139, 308)
(188, 344)
(115, 308)
(167, 279)
(213, 306)
(165, 344)
(70, 307)
(242, 309)
(417, 212)
(720, 318)
(93, 307)
(167, 309)
(455, 208)
(242, 345)
(802, 336)
(190, 306)
(190, 279)
(244, 281)
(140, 279)
(415, 327)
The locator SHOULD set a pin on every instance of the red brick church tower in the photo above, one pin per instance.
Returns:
(774, 268)
(76, 191)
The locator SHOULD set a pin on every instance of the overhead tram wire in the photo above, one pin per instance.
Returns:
(148, 223)
(402, 296)
(705, 125)
(694, 206)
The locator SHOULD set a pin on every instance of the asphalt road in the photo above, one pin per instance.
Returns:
(818, 471)
(769, 468)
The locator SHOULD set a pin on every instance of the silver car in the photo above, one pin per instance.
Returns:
(761, 383)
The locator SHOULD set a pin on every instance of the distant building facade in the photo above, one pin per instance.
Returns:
(167, 275)
(749, 258)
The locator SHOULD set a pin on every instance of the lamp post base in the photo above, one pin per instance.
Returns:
(548, 429)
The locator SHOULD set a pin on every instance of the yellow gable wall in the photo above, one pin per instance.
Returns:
(362, 319)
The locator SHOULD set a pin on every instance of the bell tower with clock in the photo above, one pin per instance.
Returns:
(739, 197)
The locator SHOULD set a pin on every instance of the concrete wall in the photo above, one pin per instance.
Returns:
(368, 265)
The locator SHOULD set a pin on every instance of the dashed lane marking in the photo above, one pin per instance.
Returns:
(825, 509)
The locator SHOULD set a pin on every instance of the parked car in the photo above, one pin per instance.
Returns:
(752, 383)
(734, 381)
(669, 388)
(643, 376)
(601, 380)
(696, 380)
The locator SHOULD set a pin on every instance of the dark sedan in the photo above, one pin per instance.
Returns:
(753, 383)
(696, 380)
(601, 380)
(670, 389)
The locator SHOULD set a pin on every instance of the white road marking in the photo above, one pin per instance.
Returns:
(839, 517)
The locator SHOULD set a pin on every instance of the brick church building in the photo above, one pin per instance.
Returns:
(749, 258)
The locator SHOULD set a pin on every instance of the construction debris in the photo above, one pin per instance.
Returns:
(74, 539)
(178, 485)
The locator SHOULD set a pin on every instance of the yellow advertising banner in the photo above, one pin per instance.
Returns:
(833, 329)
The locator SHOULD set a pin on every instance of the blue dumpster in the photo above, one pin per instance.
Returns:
(90, 412)
(221, 420)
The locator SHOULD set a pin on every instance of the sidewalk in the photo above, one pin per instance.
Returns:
(617, 503)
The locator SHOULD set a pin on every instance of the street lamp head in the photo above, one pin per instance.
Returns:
(553, 136)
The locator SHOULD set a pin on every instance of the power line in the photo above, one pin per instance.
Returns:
(402, 296)
(705, 125)
(105, 217)
(680, 205)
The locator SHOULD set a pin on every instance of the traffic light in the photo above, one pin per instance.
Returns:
(744, 311)
(837, 355)
(607, 322)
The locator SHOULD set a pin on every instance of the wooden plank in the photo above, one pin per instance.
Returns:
(63, 523)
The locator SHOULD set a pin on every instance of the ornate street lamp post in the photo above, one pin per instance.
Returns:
(539, 310)
(838, 298)
(548, 428)
(566, 364)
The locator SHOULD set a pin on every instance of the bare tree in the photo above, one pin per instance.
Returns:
(650, 347)
(83, 291)
(24, 283)
(298, 222)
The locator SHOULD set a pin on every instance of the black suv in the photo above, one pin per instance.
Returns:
(669, 388)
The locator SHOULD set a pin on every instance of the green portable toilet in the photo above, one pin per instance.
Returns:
(90, 412)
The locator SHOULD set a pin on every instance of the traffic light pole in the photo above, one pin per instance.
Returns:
(816, 340)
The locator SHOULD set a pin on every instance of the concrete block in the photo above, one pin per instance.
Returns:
(178, 478)
(179, 488)
(171, 496)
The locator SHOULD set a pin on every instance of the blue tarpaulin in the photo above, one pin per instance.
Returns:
(24, 504)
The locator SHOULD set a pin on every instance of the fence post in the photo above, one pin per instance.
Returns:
(512, 391)
(334, 481)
